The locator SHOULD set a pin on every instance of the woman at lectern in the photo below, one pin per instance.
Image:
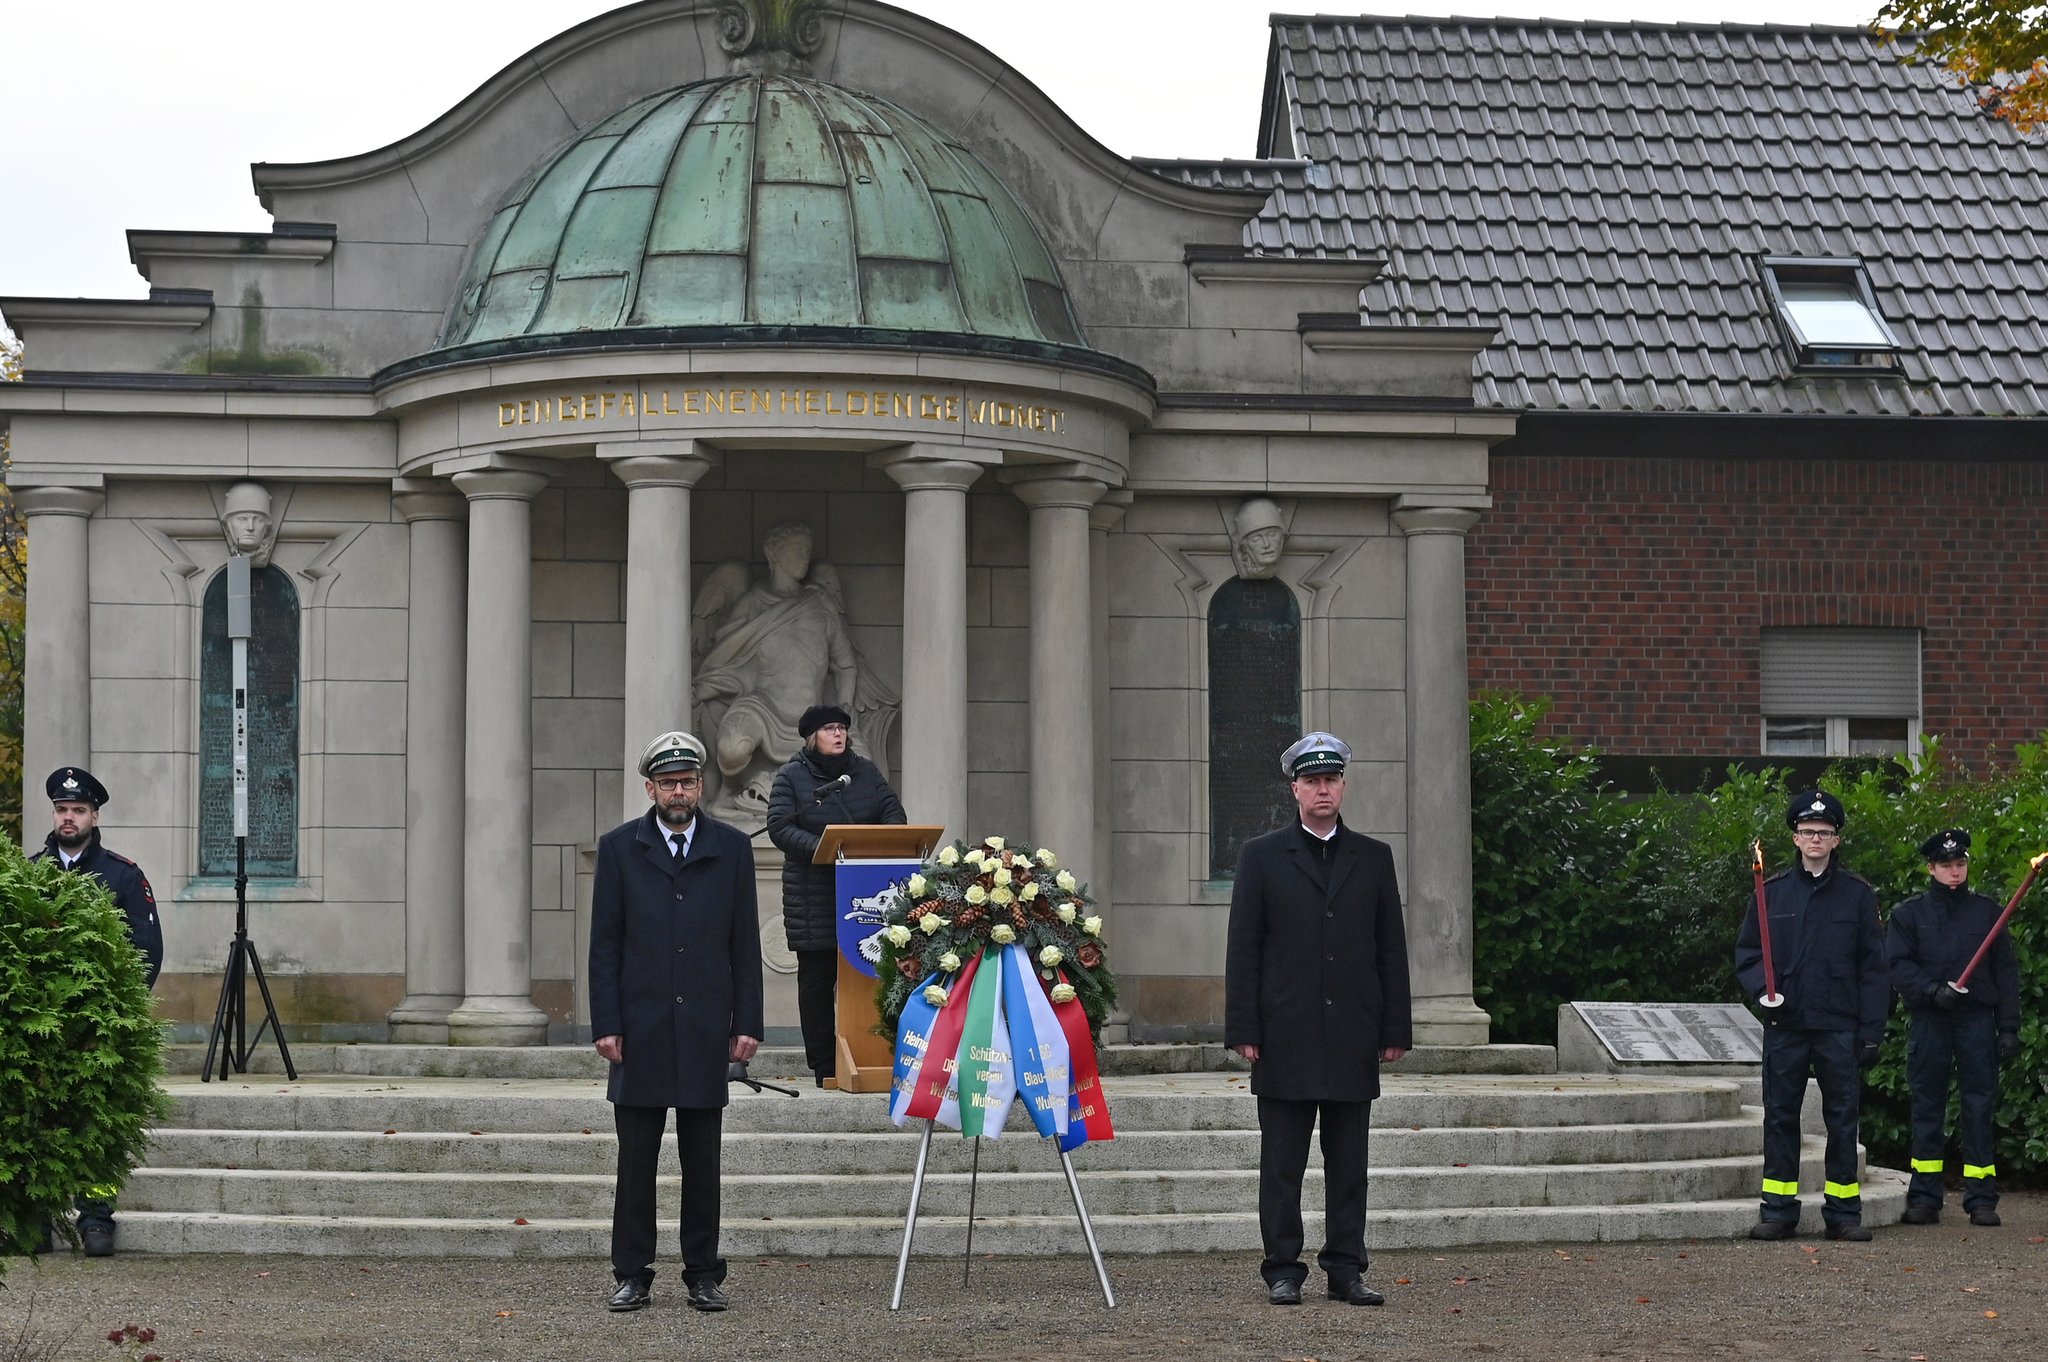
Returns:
(823, 784)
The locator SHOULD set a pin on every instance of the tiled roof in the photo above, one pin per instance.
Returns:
(1603, 193)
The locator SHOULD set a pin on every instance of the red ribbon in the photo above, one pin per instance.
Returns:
(935, 1075)
(1089, 1099)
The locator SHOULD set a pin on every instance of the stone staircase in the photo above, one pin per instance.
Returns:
(397, 1151)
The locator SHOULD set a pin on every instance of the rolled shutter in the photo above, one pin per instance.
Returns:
(1842, 673)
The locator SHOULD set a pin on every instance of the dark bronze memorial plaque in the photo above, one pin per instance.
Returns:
(273, 729)
(1254, 713)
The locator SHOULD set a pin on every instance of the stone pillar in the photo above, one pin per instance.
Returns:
(1106, 515)
(56, 723)
(434, 696)
(497, 851)
(658, 477)
(934, 721)
(1062, 685)
(1439, 887)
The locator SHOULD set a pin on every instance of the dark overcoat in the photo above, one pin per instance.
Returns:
(1316, 971)
(1827, 953)
(132, 895)
(810, 898)
(675, 960)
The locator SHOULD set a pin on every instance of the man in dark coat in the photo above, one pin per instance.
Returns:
(1962, 1033)
(76, 799)
(675, 995)
(823, 784)
(1316, 997)
(1827, 955)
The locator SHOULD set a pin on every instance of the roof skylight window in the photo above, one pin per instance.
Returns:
(1828, 314)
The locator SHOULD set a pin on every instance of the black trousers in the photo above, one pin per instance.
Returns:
(697, 1136)
(1829, 1056)
(1962, 1044)
(1284, 1128)
(817, 981)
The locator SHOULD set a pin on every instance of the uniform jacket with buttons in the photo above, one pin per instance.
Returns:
(1316, 969)
(132, 895)
(1934, 934)
(1827, 951)
(675, 960)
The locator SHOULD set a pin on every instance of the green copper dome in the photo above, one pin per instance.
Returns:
(760, 201)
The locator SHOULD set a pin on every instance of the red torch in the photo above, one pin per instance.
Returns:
(1771, 998)
(2033, 869)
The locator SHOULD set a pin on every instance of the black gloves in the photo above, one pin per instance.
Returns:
(1945, 997)
(2008, 1044)
(1867, 1056)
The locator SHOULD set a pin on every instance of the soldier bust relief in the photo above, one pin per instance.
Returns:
(246, 520)
(1258, 535)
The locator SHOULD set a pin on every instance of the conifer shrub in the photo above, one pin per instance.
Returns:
(79, 1045)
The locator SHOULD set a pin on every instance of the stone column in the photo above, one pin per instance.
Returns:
(658, 477)
(1062, 685)
(57, 670)
(434, 696)
(1439, 887)
(1106, 515)
(934, 721)
(497, 851)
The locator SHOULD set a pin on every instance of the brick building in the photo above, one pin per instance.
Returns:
(1771, 316)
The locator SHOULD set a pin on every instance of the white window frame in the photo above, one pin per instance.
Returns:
(1837, 735)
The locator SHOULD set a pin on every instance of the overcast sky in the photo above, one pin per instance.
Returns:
(143, 113)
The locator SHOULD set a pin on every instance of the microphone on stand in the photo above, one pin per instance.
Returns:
(825, 792)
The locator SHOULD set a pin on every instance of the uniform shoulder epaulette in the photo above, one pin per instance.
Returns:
(1768, 879)
(1860, 880)
(117, 856)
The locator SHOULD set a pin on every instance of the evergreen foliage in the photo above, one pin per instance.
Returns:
(1581, 892)
(79, 1042)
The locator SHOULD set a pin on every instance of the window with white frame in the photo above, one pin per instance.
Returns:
(1840, 692)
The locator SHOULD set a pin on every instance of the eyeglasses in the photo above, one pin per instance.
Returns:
(1822, 834)
(677, 784)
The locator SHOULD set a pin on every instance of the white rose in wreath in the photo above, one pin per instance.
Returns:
(1065, 880)
(1051, 956)
(931, 922)
(1002, 875)
(916, 886)
(935, 995)
(949, 962)
(899, 936)
(976, 895)
(1092, 926)
(949, 857)
(1045, 858)
(1029, 891)
(1066, 912)
(994, 843)
(1003, 934)
(1061, 993)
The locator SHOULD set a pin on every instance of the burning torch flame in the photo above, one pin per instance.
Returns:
(1758, 849)
(2035, 864)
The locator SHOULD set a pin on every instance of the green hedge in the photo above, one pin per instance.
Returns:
(79, 1044)
(1582, 892)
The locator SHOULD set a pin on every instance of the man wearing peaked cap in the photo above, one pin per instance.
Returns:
(1827, 955)
(1316, 997)
(675, 995)
(74, 841)
(1962, 1033)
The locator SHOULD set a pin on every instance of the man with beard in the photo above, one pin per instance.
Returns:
(1316, 997)
(675, 995)
(1960, 1032)
(76, 799)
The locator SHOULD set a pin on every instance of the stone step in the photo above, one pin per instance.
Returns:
(785, 1061)
(1186, 1102)
(557, 1196)
(891, 1151)
(1053, 1232)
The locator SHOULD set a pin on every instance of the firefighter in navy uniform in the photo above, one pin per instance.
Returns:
(1827, 953)
(1964, 1032)
(74, 842)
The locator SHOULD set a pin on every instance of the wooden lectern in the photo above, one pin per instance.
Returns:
(866, 1060)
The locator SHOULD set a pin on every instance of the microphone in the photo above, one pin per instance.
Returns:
(833, 787)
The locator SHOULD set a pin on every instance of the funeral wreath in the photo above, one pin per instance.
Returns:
(966, 899)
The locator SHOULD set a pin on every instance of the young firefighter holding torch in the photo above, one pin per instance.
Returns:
(1965, 1019)
(1814, 962)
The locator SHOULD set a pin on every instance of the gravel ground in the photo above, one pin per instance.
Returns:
(1940, 1293)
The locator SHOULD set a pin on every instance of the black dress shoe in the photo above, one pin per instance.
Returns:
(1986, 1217)
(631, 1295)
(1355, 1292)
(1284, 1293)
(1854, 1234)
(1921, 1215)
(97, 1240)
(707, 1297)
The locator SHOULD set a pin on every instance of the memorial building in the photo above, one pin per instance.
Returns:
(711, 360)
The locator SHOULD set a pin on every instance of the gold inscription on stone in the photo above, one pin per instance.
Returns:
(843, 404)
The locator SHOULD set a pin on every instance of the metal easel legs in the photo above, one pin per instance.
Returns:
(924, 1149)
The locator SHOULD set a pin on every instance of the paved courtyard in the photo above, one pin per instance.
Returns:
(1943, 1293)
